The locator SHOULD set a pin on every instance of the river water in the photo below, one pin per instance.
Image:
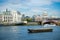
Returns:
(21, 33)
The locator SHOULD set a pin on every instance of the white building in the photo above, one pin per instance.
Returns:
(38, 18)
(45, 15)
(10, 17)
(16, 16)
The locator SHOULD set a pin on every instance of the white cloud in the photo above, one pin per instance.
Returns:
(34, 6)
(13, 7)
(56, 0)
(24, 4)
(40, 2)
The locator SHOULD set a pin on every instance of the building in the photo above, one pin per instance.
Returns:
(45, 15)
(23, 17)
(10, 17)
(16, 16)
(38, 18)
(7, 17)
(0, 18)
(33, 18)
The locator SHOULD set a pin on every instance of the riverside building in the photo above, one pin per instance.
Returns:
(10, 17)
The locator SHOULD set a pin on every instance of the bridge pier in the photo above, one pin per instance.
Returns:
(40, 22)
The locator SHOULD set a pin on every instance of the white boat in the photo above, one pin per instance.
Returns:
(46, 25)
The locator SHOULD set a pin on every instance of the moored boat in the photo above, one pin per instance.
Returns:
(46, 25)
(40, 30)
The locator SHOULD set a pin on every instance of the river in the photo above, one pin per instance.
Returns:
(21, 33)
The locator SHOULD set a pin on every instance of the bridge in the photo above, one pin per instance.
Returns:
(48, 22)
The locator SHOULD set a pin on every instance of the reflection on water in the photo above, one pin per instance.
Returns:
(14, 29)
(21, 33)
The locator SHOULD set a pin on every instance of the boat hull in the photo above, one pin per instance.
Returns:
(40, 30)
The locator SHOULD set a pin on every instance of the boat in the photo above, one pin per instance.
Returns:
(46, 25)
(40, 30)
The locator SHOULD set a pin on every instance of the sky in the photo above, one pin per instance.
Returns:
(32, 7)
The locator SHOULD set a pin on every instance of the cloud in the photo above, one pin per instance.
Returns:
(28, 7)
(13, 7)
(56, 0)
(39, 2)
(24, 4)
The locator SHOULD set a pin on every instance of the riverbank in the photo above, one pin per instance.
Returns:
(25, 24)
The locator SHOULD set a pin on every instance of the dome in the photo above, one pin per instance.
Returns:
(45, 13)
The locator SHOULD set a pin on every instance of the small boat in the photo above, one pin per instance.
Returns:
(46, 25)
(40, 30)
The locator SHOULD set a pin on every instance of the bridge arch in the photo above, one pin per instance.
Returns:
(49, 22)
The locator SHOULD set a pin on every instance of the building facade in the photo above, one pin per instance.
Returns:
(38, 18)
(17, 17)
(10, 17)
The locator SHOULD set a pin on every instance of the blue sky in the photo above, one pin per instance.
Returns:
(32, 7)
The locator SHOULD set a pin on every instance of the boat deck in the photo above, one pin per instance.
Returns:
(40, 30)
